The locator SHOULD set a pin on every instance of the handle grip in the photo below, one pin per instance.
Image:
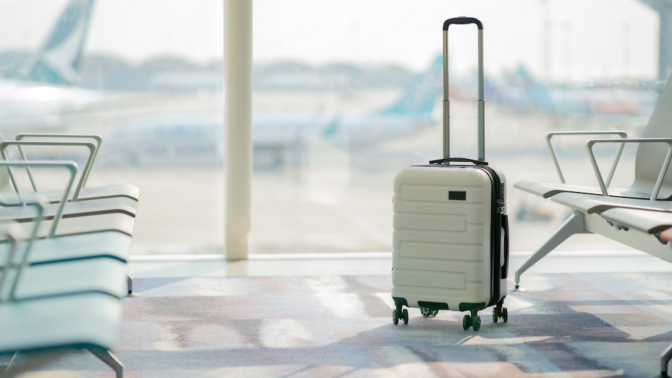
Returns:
(463, 160)
(462, 21)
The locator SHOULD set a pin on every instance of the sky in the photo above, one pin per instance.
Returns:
(562, 40)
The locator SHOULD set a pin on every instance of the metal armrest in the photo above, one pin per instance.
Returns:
(550, 135)
(70, 165)
(9, 264)
(89, 161)
(39, 203)
(663, 170)
(97, 138)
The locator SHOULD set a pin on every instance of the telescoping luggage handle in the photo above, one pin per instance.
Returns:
(446, 101)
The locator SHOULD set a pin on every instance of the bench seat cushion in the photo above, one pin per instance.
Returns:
(93, 193)
(104, 276)
(114, 222)
(121, 205)
(550, 189)
(642, 220)
(112, 245)
(71, 321)
(590, 204)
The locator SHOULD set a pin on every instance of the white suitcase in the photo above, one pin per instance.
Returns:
(451, 233)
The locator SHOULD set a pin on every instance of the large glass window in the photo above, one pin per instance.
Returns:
(346, 94)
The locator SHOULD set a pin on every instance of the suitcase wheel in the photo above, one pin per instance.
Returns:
(396, 316)
(500, 313)
(466, 322)
(469, 321)
(428, 313)
(476, 323)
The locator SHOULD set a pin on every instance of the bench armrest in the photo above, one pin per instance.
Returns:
(39, 203)
(663, 170)
(89, 161)
(97, 138)
(71, 166)
(8, 233)
(550, 135)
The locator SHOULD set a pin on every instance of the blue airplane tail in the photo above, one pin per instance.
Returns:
(558, 102)
(58, 60)
(422, 94)
(537, 94)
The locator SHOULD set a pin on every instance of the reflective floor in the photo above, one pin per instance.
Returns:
(375, 263)
(581, 314)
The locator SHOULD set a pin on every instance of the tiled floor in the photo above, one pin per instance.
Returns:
(580, 316)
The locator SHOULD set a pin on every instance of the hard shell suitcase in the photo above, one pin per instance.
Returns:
(451, 237)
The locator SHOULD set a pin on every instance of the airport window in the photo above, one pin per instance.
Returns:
(342, 101)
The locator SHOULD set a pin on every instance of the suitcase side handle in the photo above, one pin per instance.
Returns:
(505, 226)
(463, 160)
(446, 101)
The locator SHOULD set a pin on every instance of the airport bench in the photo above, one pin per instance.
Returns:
(71, 238)
(81, 191)
(639, 216)
(49, 307)
(118, 199)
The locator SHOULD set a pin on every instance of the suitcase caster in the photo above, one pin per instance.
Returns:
(500, 312)
(396, 317)
(469, 321)
(466, 322)
(476, 323)
(428, 313)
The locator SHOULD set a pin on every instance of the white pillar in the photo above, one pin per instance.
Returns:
(238, 124)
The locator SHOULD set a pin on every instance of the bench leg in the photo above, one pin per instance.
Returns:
(573, 225)
(110, 359)
(35, 360)
(11, 362)
(665, 359)
(129, 283)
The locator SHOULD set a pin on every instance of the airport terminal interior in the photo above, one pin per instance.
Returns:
(215, 188)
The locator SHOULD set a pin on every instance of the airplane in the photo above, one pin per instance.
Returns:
(618, 101)
(36, 94)
(43, 95)
(183, 139)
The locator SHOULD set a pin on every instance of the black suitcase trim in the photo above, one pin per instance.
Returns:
(400, 302)
(495, 235)
(433, 305)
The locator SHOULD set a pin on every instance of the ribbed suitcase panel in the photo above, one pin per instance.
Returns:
(473, 270)
(434, 193)
(457, 223)
(427, 176)
(440, 251)
(403, 207)
(441, 245)
(473, 235)
(452, 297)
(424, 278)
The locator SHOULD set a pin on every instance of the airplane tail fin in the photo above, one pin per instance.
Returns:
(537, 93)
(58, 60)
(421, 95)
